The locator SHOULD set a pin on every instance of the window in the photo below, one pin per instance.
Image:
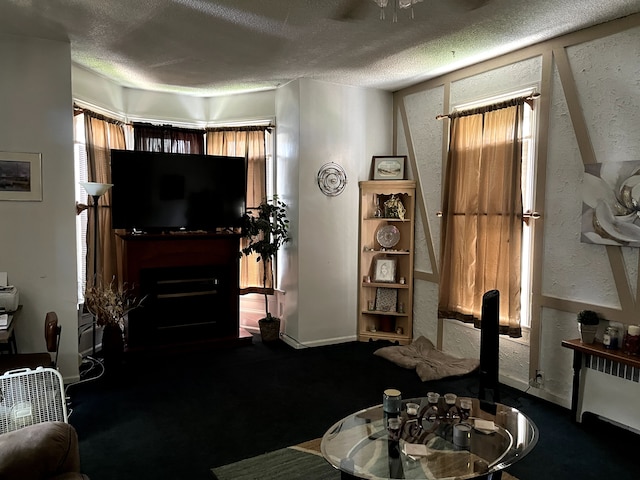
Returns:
(80, 158)
(158, 138)
(488, 194)
(153, 138)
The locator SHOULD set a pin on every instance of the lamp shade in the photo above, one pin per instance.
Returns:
(96, 189)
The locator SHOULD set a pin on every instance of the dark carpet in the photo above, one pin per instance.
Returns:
(178, 415)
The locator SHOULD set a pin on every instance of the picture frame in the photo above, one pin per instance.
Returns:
(389, 167)
(384, 270)
(21, 176)
(386, 299)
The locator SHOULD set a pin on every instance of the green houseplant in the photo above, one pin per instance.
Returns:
(267, 229)
(588, 322)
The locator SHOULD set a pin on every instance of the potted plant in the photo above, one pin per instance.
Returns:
(110, 305)
(588, 321)
(267, 230)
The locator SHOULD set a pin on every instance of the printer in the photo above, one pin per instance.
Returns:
(8, 294)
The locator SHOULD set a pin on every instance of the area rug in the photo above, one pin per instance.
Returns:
(428, 362)
(303, 461)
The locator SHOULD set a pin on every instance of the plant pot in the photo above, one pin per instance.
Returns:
(269, 329)
(587, 332)
(112, 345)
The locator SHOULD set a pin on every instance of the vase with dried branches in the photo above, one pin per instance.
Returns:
(110, 304)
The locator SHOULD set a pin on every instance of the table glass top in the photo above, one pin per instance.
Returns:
(489, 438)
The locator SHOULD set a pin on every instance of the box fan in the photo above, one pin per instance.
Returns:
(30, 396)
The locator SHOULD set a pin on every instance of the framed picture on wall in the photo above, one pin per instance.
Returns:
(21, 176)
(389, 168)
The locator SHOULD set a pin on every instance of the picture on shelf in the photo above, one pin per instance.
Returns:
(385, 270)
(389, 168)
(386, 299)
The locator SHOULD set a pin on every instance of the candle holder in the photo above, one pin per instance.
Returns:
(436, 414)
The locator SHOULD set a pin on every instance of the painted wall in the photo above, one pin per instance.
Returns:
(319, 123)
(593, 81)
(37, 241)
(288, 187)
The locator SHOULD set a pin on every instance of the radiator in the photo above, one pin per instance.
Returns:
(611, 367)
(611, 390)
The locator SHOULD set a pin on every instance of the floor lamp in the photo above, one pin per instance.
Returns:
(96, 190)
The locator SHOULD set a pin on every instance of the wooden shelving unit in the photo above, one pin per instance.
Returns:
(387, 320)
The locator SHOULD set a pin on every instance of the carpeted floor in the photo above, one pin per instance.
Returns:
(177, 416)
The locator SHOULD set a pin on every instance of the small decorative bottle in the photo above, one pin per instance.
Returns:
(610, 339)
(631, 342)
(378, 211)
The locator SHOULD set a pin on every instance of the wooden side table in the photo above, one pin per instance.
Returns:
(8, 335)
(582, 351)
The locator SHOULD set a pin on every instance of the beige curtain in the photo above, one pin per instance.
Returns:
(482, 221)
(102, 135)
(248, 143)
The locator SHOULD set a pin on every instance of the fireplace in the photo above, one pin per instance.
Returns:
(191, 285)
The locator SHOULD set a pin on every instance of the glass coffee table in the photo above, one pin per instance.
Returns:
(421, 445)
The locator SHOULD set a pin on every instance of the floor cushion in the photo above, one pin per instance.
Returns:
(429, 362)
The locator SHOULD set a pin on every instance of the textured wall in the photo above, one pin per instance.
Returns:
(606, 72)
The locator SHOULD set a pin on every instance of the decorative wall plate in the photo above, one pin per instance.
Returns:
(332, 179)
(388, 236)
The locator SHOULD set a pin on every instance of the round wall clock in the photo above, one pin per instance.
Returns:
(332, 179)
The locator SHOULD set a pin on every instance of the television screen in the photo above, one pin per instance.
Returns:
(155, 192)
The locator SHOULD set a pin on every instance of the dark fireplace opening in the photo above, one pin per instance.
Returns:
(183, 304)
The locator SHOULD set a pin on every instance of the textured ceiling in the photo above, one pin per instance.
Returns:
(214, 47)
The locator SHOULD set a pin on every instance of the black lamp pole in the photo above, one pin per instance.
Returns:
(95, 190)
(96, 198)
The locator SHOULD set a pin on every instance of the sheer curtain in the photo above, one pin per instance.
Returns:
(248, 142)
(101, 135)
(482, 215)
(154, 138)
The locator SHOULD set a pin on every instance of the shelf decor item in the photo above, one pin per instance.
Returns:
(389, 167)
(588, 322)
(386, 299)
(385, 270)
(393, 208)
(388, 236)
(378, 211)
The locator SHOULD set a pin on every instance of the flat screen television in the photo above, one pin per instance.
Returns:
(156, 192)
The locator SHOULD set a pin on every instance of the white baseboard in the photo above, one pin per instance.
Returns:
(535, 392)
(316, 343)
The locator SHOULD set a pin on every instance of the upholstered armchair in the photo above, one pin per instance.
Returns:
(47, 450)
